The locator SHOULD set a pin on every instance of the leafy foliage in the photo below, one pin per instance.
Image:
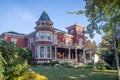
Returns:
(26, 54)
(32, 76)
(13, 65)
(103, 15)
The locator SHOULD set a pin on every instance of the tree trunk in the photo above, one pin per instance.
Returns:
(117, 59)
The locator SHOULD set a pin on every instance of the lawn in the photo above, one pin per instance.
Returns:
(62, 73)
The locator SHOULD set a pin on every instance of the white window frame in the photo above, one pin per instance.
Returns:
(42, 23)
(36, 52)
(80, 32)
(14, 40)
(67, 41)
(43, 51)
(80, 42)
(30, 41)
(48, 52)
(55, 39)
(48, 36)
(71, 42)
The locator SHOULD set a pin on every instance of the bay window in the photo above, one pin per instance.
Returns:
(48, 36)
(42, 35)
(41, 51)
(48, 51)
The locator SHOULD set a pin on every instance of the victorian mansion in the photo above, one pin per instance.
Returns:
(48, 43)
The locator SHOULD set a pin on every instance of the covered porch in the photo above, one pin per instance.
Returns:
(67, 54)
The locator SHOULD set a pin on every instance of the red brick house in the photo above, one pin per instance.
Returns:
(48, 43)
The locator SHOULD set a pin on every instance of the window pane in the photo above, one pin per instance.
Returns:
(48, 36)
(14, 40)
(42, 51)
(48, 51)
(80, 42)
(42, 35)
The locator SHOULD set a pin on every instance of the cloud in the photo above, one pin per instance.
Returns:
(27, 16)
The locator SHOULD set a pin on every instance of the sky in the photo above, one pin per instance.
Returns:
(21, 15)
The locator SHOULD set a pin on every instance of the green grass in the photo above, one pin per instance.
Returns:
(61, 73)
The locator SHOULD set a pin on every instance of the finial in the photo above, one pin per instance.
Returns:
(44, 10)
(75, 23)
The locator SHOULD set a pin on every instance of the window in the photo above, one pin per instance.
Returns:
(14, 40)
(43, 23)
(48, 51)
(48, 36)
(42, 35)
(30, 40)
(54, 39)
(42, 51)
(37, 35)
(71, 42)
(66, 41)
(71, 31)
(36, 52)
(80, 32)
(80, 42)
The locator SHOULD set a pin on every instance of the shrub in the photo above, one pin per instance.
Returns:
(32, 76)
(67, 64)
(103, 65)
(52, 63)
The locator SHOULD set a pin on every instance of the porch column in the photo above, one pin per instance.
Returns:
(63, 56)
(56, 53)
(69, 54)
(90, 55)
(84, 57)
(76, 54)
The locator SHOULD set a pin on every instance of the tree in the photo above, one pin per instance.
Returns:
(104, 16)
(107, 52)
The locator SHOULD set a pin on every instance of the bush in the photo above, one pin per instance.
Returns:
(32, 76)
(67, 64)
(103, 65)
(53, 63)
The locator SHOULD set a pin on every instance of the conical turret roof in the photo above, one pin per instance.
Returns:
(44, 16)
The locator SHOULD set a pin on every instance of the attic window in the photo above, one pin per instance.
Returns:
(43, 23)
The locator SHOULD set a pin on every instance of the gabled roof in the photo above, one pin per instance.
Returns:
(44, 16)
(14, 33)
(58, 30)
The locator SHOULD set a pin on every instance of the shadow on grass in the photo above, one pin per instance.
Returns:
(62, 73)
